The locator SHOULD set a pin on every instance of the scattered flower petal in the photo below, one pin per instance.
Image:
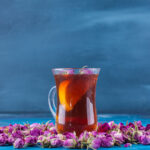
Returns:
(127, 145)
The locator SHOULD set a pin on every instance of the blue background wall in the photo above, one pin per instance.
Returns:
(37, 35)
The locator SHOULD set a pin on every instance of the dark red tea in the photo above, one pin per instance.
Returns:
(76, 109)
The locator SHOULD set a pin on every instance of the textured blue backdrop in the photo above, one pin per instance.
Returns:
(37, 35)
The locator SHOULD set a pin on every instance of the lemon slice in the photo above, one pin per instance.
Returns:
(62, 95)
(71, 91)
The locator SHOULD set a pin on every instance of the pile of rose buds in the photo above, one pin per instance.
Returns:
(45, 135)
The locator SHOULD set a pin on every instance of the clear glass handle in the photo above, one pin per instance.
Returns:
(51, 101)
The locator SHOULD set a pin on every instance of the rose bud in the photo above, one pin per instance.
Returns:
(30, 140)
(19, 143)
(56, 142)
(69, 143)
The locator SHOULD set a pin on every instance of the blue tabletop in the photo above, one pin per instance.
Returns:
(6, 119)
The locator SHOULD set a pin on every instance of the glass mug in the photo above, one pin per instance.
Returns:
(76, 108)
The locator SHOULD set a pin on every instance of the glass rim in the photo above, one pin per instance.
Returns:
(74, 68)
(77, 70)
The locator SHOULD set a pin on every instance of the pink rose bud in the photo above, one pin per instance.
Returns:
(103, 127)
(84, 136)
(69, 143)
(10, 128)
(145, 139)
(94, 133)
(70, 135)
(56, 143)
(60, 136)
(40, 138)
(36, 131)
(30, 140)
(19, 143)
(112, 125)
(17, 134)
(10, 140)
(95, 143)
(118, 136)
(3, 139)
(107, 141)
(46, 133)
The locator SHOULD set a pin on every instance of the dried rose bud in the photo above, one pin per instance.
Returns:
(19, 127)
(137, 135)
(107, 141)
(17, 134)
(145, 139)
(103, 127)
(43, 141)
(118, 137)
(112, 125)
(84, 136)
(19, 143)
(101, 134)
(40, 138)
(123, 128)
(69, 143)
(46, 133)
(60, 136)
(10, 128)
(139, 125)
(56, 142)
(49, 138)
(70, 135)
(10, 140)
(30, 140)
(3, 139)
(93, 133)
(26, 132)
(95, 144)
(36, 131)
